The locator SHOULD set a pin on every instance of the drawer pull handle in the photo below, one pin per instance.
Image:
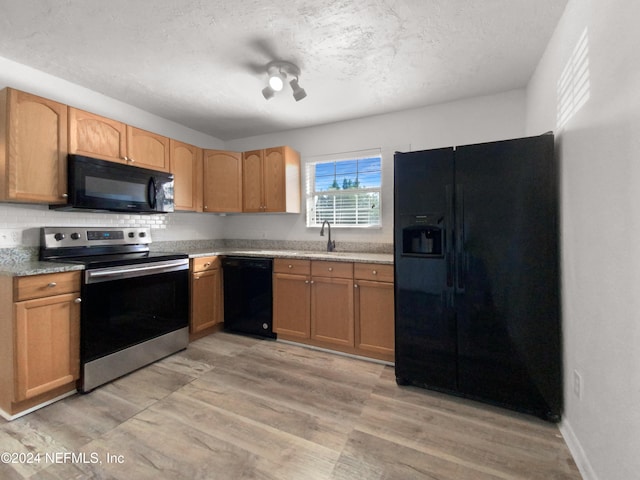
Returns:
(77, 300)
(375, 272)
(52, 284)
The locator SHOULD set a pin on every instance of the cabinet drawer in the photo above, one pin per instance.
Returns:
(332, 269)
(202, 264)
(373, 271)
(47, 285)
(296, 267)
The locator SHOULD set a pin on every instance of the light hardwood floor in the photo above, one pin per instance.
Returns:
(232, 407)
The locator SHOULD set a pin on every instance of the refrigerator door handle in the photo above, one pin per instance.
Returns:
(448, 236)
(461, 269)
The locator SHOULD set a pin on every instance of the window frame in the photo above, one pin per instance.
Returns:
(311, 193)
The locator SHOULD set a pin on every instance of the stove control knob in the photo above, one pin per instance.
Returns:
(59, 236)
(142, 234)
(131, 234)
(75, 236)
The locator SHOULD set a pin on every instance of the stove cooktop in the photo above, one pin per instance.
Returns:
(114, 260)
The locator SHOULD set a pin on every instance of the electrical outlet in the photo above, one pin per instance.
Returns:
(577, 384)
(10, 237)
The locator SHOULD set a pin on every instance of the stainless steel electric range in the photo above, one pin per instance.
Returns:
(134, 307)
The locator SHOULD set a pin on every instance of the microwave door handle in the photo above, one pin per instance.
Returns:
(151, 193)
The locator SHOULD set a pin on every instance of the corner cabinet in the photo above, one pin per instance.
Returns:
(185, 163)
(271, 180)
(33, 148)
(40, 326)
(222, 189)
(206, 296)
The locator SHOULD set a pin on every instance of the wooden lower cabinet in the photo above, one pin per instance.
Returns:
(206, 296)
(47, 344)
(336, 305)
(291, 301)
(374, 320)
(332, 310)
(39, 339)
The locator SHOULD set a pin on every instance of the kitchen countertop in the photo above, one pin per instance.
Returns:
(360, 257)
(26, 268)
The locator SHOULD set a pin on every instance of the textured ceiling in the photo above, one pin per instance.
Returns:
(201, 62)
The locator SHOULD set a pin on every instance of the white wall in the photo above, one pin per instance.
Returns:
(479, 119)
(599, 151)
(25, 219)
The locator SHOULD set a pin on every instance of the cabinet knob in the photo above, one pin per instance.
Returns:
(331, 269)
(375, 272)
(65, 195)
(207, 265)
(355, 285)
(52, 284)
(307, 282)
(312, 282)
(290, 266)
(77, 300)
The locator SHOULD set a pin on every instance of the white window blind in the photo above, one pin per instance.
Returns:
(345, 190)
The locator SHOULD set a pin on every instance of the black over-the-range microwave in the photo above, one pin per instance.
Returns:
(101, 185)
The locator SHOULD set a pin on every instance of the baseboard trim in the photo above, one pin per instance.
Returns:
(336, 352)
(575, 447)
(10, 418)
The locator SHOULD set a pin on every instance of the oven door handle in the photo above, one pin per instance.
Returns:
(93, 276)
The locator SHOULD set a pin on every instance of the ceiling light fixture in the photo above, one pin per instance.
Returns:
(278, 72)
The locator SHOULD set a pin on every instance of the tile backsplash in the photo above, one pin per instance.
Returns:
(20, 224)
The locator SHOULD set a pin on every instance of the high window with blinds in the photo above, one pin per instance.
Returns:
(346, 192)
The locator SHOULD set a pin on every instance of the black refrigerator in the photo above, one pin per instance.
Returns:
(476, 273)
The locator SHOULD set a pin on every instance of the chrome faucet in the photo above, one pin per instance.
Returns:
(331, 246)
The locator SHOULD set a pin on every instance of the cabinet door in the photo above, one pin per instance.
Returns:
(222, 181)
(186, 166)
(252, 198)
(96, 136)
(147, 149)
(206, 300)
(33, 160)
(291, 300)
(332, 310)
(273, 180)
(374, 312)
(47, 341)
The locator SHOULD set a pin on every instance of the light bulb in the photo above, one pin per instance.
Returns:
(276, 81)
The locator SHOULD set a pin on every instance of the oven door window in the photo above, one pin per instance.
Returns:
(120, 313)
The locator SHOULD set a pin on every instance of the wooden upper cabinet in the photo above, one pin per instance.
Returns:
(95, 136)
(222, 189)
(33, 148)
(186, 165)
(271, 180)
(252, 197)
(147, 149)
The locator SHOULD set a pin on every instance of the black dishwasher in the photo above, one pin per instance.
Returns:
(248, 299)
